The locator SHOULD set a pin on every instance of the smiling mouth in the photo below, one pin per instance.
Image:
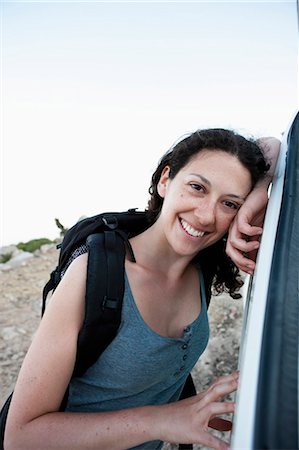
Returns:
(190, 230)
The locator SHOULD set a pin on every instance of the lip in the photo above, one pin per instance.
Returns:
(190, 230)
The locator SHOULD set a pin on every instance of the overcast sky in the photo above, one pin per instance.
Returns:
(95, 92)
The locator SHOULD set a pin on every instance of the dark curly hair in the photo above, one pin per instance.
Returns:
(226, 276)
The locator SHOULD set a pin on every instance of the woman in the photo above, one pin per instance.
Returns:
(129, 397)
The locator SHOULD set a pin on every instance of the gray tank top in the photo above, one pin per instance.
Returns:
(140, 367)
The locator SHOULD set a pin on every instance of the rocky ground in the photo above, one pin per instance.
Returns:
(20, 303)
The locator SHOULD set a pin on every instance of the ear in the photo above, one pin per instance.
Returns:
(163, 182)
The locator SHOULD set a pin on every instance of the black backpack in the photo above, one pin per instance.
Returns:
(106, 237)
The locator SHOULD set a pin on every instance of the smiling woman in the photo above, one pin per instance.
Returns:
(197, 191)
(247, 158)
(207, 193)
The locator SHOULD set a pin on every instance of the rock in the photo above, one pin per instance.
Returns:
(4, 267)
(20, 258)
(45, 248)
(9, 333)
(9, 250)
(15, 257)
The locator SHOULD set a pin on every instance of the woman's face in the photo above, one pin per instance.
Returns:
(201, 201)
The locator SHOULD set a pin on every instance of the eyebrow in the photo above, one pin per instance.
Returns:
(205, 180)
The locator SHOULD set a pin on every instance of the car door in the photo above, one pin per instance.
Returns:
(267, 400)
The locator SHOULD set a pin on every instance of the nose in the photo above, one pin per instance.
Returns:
(206, 213)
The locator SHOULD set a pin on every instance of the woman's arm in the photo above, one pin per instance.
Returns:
(34, 420)
(183, 421)
(242, 243)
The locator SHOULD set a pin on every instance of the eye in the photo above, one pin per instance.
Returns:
(231, 205)
(197, 187)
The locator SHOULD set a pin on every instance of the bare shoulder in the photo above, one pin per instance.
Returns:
(70, 292)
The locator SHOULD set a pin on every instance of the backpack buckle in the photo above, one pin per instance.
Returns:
(110, 221)
(109, 303)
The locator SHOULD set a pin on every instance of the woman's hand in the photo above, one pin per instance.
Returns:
(246, 229)
(243, 238)
(189, 420)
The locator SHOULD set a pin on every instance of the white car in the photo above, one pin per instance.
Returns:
(267, 400)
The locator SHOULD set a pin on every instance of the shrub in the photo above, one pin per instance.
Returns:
(33, 245)
(5, 257)
(61, 227)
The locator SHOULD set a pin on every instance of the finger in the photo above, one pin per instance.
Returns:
(245, 264)
(221, 381)
(218, 408)
(217, 391)
(219, 424)
(248, 268)
(241, 261)
(242, 244)
(212, 442)
(249, 230)
(226, 378)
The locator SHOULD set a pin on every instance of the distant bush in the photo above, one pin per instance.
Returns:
(61, 227)
(5, 257)
(33, 245)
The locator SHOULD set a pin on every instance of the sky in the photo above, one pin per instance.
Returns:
(93, 93)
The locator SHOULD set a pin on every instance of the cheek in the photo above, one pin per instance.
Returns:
(225, 221)
(174, 198)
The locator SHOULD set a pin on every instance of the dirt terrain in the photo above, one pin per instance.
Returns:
(20, 304)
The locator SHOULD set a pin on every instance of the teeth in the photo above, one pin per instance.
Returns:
(190, 230)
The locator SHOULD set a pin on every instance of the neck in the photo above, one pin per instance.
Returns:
(153, 252)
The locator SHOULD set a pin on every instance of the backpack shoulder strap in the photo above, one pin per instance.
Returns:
(104, 295)
(3, 419)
